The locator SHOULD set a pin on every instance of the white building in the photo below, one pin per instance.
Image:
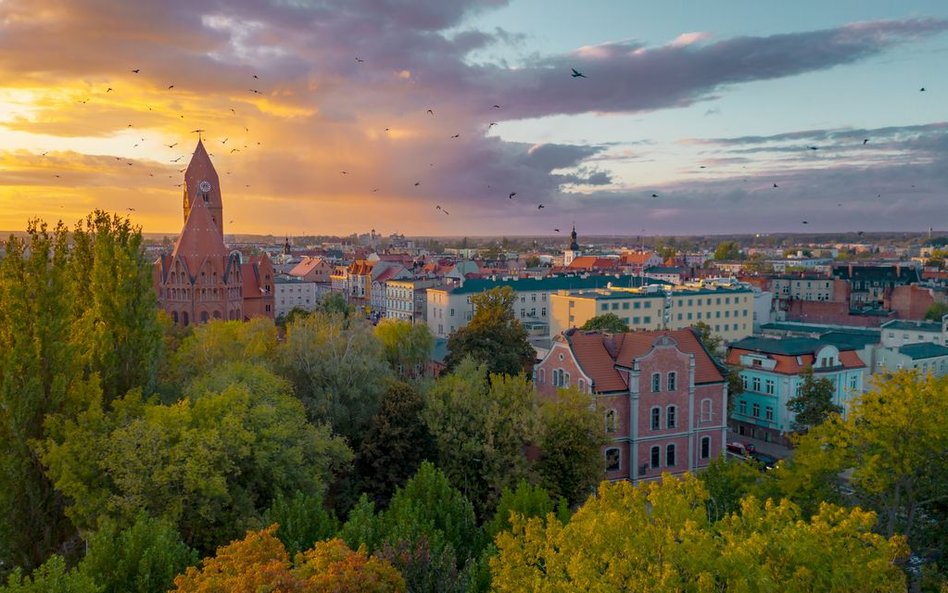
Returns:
(900, 332)
(293, 293)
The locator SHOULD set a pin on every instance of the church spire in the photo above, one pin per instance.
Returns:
(573, 244)
(202, 183)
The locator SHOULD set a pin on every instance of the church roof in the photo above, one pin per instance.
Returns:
(199, 240)
(201, 169)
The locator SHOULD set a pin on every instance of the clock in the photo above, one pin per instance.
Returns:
(204, 187)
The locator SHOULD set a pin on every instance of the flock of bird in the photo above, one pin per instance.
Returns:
(510, 196)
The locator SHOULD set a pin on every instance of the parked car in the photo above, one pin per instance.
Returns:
(737, 449)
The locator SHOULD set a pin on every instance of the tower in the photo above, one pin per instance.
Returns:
(201, 183)
(573, 251)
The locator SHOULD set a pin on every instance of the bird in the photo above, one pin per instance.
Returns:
(556, 230)
(491, 125)
(511, 195)
(540, 207)
(230, 222)
(387, 130)
(171, 145)
(360, 60)
(417, 183)
(458, 135)
(131, 209)
(344, 172)
(577, 74)
(170, 86)
(921, 90)
(255, 91)
(136, 70)
(775, 185)
(805, 222)
(495, 106)
(108, 90)
(255, 76)
(224, 141)
(176, 160)
(375, 190)
(430, 112)
(865, 140)
(198, 131)
(44, 154)
(234, 111)
(860, 233)
(446, 213)
(813, 147)
(233, 150)
(654, 195)
(702, 167)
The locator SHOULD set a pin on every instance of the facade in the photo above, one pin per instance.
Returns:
(201, 279)
(313, 269)
(926, 358)
(897, 332)
(771, 371)
(407, 299)
(871, 285)
(294, 293)
(728, 310)
(663, 399)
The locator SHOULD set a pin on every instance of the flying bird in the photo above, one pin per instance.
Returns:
(233, 150)
(496, 106)
(430, 112)
(136, 70)
(775, 185)
(224, 141)
(577, 74)
(458, 135)
(491, 125)
(360, 60)
(540, 207)
(234, 111)
(805, 222)
(198, 131)
(813, 147)
(171, 145)
(557, 230)
(654, 195)
(921, 90)
(170, 86)
(865, 140)
(255, 91)
(512, 194)
(255, 76)
(860, 233)
(375, 190)
(417, 183)
(344, 172)
(176, 160)
(131, 209)
(108, 90)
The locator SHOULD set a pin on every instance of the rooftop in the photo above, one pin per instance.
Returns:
(785, 347)
(923, 350)
(905, 324)
(548, 284)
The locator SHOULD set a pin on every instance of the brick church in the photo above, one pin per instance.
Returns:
(201, 279)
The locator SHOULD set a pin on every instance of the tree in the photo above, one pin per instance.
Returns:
(302, 520)
(398, 440)
(219, 342)
(331, 567)
(727, 482)
(936, 311)
(51, 577)
(210, 463)
(532, 261)
(609, 322)
(895, 441)
(727, 251)
(735, 387)
(493, 336)
(813, 404)
(658, 537)
(338, 369)
(711, 342)
(570, 441)
(526, 501)
(481, 426)
(141, 559)
(407, 346)
(334, 303)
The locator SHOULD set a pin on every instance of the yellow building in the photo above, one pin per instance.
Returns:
(727, 309)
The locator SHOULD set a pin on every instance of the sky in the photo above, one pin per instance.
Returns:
(464, 117)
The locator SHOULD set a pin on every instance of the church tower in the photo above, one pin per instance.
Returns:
(201, 183)
(573, 251)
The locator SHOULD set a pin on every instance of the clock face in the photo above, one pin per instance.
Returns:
(204, 187)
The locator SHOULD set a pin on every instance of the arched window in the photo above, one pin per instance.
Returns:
(656, 421)
(656, 382)
(611, 421)
(707, 413)
(671, 417)
(670, 455)
(174, 316)
(613, 460)
(217, 314)
(582, 385)
(672, 381)
(656, 459)
(541, 376)
(204, 317)
(705, 447)
(184, 318)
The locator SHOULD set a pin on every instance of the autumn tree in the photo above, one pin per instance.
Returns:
(936, 311)
(609, 322)
(571, 436)
(813, 403)
(494, 336)
(481, 424)
(658, 537)
(407, 346)
(331, 567)
(727, 251)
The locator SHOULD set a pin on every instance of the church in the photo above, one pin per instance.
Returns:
(201, 279)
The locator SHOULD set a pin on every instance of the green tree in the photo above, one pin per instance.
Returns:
(711, 342)
(813, 403)
(532, 261)
(398, 440)
(494, 336)
(609, 322)
(727, 251)
(334, 303)
(481, 426)
(936, 311)
(338, 369)
(302, 520)
(727, 482)
(571, 438)
(407, 346)
(218, 343)
(525, 501)
(735, 387)
(141, 559)
(51, 577)
(658, 537)
(210, 463)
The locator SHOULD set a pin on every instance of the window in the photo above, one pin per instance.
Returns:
(615, 306)
(755, 384)
(543, 312)
(769, 413)
(637, 305)
(854, 382)
(656, 418)
(625, 305)
(670, 416)
(656, 459)
(541, 376)
(611, 421)
(742, 407)
(613, 460)
(452, 312)
(707, 412)
(581, 384)
(672, 381)
(755, 410)
(670, 455)
(769, 385)
(565, 379)
(656, 382)
(705, 447)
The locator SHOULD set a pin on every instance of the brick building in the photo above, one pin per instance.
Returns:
(662, 397)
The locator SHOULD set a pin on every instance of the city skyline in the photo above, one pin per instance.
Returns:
(333, 118)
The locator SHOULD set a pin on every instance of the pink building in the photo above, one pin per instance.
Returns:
(663, 399)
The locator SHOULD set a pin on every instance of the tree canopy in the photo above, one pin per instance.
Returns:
(494, 336)
(407, 346)
(609, 322)
(813, 404)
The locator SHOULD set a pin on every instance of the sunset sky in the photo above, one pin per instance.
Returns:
(705, 104)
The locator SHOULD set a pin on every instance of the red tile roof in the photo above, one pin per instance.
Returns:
(794, 365)
(199, 240)
(589, 262)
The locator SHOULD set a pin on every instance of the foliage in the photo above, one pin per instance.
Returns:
(609, 322)
(711, 342)
(481, 427)
(813, 404)
(219, 342)
(936, 311)
(727, 251)
(210, 463)
(397, 442)
(727, 482)
(331, 567)
(658, 537)
(571, 438)
(526, 501)
(338, 370)
(494, 336)
(407, 346)
(51, 577)
(302, 520)
(334, 303)
(532, 261)
(895, 440)
(141, 559)
(735, 387)
(362, 527)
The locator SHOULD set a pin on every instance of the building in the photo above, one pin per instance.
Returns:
(899, 332)
(407, 299)
(294, 293)
(727, 309)
(450, 307)
(201, 279)
(871, 285)
(926, 358)
(662, 397)
(313, 269)
(573, 251)
(771, 371)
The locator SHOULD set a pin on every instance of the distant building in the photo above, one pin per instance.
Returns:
(662, 397)
(572, 251)
(201, 279)
(900, 332)
(407, 299)
(294, 293)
